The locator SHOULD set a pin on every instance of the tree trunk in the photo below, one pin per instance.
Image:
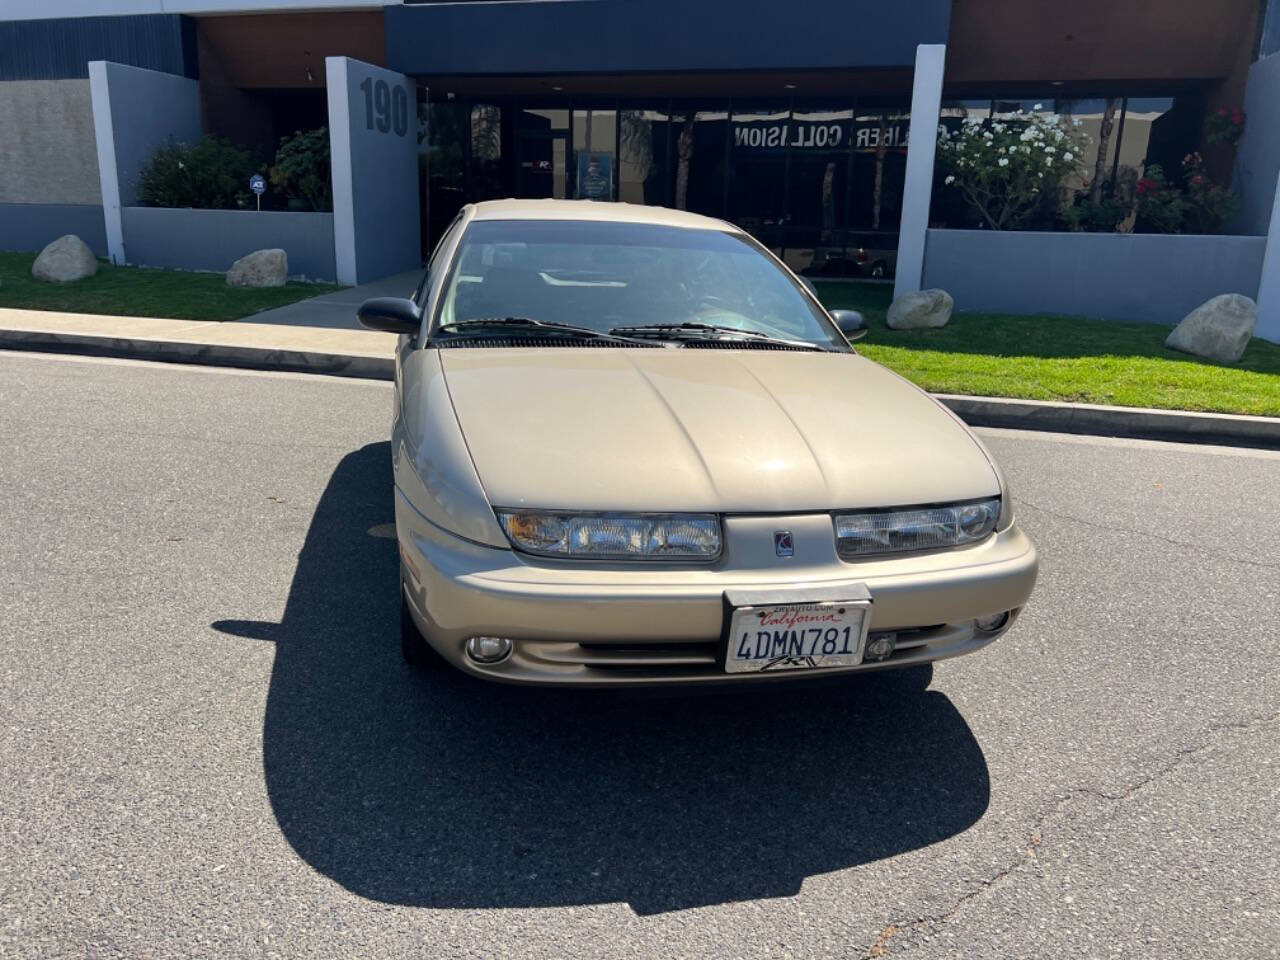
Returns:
(684, 153)
(875, 195)
(1104, 141)
(829, 197)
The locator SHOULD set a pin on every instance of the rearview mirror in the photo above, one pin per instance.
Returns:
(390, 315)
(851, 323)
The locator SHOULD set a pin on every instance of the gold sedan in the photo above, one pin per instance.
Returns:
(631, 447)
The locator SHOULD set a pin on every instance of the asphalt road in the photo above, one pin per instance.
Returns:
(210, 748)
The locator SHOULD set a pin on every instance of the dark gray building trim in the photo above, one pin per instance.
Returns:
(30, 226)
(535, 37)
(62, 49)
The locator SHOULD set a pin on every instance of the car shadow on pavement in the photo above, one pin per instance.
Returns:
(439, 790)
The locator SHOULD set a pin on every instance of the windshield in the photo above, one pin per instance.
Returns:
(609, 276)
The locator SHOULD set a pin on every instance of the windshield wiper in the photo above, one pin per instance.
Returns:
(528, 323)
(704, 331)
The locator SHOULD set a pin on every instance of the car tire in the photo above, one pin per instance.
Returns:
(413, 647)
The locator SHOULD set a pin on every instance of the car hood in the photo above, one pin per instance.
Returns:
(705, 430)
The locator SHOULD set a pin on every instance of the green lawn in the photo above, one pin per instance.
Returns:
(1061, 358)
(142, 292)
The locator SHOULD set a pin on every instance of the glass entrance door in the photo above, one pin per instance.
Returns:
(542, 142)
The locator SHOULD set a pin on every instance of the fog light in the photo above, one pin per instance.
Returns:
(880, 646)
(992, 623)
(488, 649)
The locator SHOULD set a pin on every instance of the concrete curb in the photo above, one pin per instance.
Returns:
(1134, 422)
(1079, 418)
(207, 354)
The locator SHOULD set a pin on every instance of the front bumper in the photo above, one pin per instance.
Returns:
(639, 623)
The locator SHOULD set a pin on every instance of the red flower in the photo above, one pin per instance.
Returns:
(1197, 180)
(1237, 119)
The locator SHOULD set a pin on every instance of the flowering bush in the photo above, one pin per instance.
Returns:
(1224, 126)
(1208, 204)
(1006, 165)
(1161, 205)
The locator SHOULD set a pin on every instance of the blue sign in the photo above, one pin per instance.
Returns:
(258, 184)
(595, 175)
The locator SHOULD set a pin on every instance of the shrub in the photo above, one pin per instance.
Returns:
(1104, 216)
(1006, 166)
(301, 170)
(1224, 126)
(1161, 206)
(213, 174)
(1208, 205)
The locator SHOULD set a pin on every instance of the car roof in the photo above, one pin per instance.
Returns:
(594, 210)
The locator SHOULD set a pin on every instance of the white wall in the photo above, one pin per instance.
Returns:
(134, 112)
(373, 141)
(1258, 156)
(1148, 278)
(922, 146)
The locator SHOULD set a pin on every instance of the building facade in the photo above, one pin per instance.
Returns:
(796, 121)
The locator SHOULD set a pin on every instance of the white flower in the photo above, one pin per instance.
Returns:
(1048, 161)
(1038, 107)
(1040, 175)
(1050, 150)
(1026, 148)
(950, 180)
(1068, 156)
(986, 135)
(998, 127)
(1004, 161)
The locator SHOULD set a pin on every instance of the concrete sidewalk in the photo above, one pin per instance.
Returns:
(337, 310)
(363, 353)
(266, 346)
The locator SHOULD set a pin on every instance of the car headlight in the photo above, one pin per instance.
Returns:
(924, 528)
(613, 536)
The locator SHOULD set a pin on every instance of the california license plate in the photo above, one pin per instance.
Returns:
(796, 636)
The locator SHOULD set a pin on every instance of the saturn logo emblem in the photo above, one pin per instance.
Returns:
(782, 544)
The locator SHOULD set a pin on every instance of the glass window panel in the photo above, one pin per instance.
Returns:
(760, 137)
(818, 192)
(698, 160)
(485, 172)
(879, 172)
(644, 136)
(442, 155)
(595, 135)
(1141, 116)
(1103, 133)
(541, 153)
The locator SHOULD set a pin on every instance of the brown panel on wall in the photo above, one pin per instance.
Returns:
(281, 50)
(1015, 43)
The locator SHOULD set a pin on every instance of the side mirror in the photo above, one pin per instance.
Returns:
(851, 323)
(390, 315)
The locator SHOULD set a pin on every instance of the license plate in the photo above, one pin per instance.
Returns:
(796, 636)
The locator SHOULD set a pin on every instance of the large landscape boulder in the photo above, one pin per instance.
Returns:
(262, 268)
(67, 258)
(919, 310)
(1218, 329)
